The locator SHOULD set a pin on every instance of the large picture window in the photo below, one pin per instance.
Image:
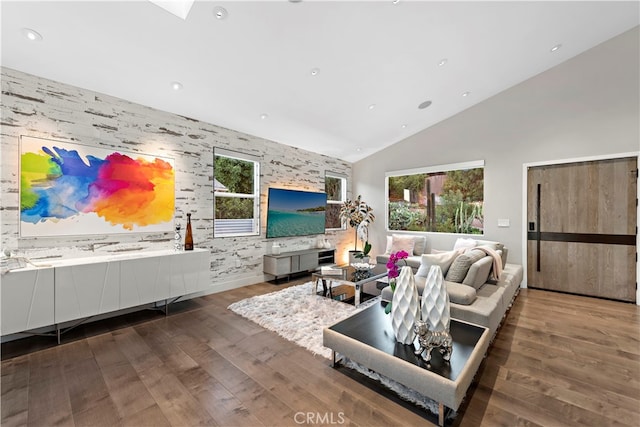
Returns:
(236, 194)
(444, 199)
(335, 185)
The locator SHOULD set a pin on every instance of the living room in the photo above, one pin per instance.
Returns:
(586, 107)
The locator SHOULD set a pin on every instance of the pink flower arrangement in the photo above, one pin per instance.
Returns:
(394, 270)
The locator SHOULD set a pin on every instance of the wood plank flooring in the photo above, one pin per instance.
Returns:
(558, 360)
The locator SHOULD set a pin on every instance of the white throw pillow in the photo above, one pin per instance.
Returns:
(443, 259)
(402, 243)
(464, 243)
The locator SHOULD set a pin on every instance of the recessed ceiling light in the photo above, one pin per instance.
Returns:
(465, 94)
(358, 149)
(176, 86)
(32, 35)
(264, 116)
(556, 47)
(403, 126)
(220, 12)
(372, 106)
(315, 71)
(442, 62)
(424, 105)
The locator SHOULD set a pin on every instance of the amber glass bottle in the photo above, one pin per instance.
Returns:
(188, 237)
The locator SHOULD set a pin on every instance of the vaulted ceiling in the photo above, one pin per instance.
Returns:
(343, 79)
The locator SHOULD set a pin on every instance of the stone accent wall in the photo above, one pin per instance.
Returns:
(38, 107)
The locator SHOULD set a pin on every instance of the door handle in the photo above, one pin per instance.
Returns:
(537, 228)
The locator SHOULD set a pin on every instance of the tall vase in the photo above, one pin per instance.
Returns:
(435, 302)
(405, 307)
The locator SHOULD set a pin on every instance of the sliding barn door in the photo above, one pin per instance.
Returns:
(582, 228)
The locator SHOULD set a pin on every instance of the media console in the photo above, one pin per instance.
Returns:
(288, 263)
(56, 291)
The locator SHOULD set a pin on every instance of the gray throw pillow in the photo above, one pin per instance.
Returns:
(419, 245)
(460, 266)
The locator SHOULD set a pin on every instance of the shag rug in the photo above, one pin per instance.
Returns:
(298, 316)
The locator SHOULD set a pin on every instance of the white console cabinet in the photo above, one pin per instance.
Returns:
(65, 290)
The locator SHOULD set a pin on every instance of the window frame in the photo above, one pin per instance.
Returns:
(343, 194)
(475, 164)
(255, 224)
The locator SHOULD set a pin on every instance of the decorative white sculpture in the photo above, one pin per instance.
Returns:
(433, 325)
(435, 301)
(405, 306)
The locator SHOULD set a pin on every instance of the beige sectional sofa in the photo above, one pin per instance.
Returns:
(475, 296)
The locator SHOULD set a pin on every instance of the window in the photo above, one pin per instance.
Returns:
(236, 194)
(445, 199)
(335, 185)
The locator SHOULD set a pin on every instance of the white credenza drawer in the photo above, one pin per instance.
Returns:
(145, 280)
(85, 290)
(27, 299)
(190, 273)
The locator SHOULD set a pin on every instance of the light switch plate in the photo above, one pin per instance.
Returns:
(504, 222)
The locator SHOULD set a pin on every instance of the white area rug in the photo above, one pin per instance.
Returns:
(298, 316)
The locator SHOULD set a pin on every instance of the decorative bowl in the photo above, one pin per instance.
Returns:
(362, 266)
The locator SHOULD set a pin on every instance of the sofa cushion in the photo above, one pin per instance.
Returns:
(443, 259)
(486, 310)
(460, 294)
(419, 244)
(478, 273)
(460, 266)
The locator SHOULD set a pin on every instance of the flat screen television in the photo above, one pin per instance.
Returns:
(295, 213)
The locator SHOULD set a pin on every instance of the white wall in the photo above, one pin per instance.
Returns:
(39, 107)
(586, 106)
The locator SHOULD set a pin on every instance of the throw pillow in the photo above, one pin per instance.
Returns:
(479, 272)
(464, 243)
(460, 266)
(419, 245)
(443, 259)
(402, 243)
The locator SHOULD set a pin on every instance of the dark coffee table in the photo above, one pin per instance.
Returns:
(367, 338)
(337, 286)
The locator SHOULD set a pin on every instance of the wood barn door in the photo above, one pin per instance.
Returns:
(582, 228)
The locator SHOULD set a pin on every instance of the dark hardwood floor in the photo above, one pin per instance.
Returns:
(558, 360)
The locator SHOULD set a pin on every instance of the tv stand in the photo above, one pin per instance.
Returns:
(288, 263)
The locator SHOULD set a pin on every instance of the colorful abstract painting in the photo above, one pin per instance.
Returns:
(72, 189)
